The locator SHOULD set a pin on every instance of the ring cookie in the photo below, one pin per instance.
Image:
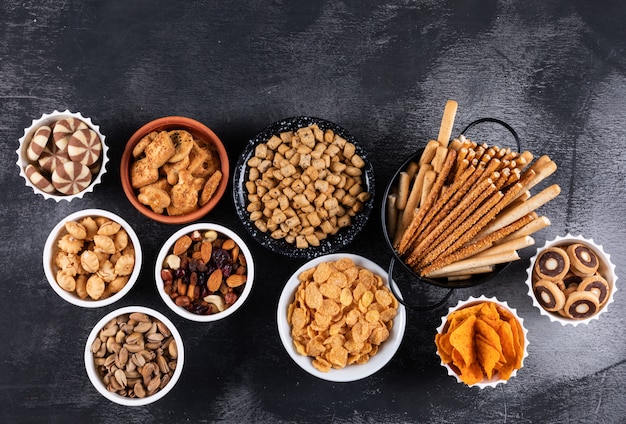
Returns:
(71, 178)
(581, 304)
(63, 130)
(38, 142)
(84, 146)
(597, 285)
(38, 180)
(552, 264)
(549, 295)
(583, 260)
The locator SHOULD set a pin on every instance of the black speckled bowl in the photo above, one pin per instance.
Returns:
(330, 244)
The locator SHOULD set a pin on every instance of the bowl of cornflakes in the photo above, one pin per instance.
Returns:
(571, 280)
(134, 356)
(174, 170)
(338, 319)
(303, 187)
(62, 155)
(204, 272)
(482, 342)
(92, 258)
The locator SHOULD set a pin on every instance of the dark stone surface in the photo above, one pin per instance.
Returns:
(381, 70)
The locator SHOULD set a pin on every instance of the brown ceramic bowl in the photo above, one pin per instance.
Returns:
(198, 131)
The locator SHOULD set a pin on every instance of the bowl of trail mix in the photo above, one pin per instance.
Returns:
(204, 272)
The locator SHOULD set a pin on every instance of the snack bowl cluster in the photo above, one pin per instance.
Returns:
(517, 338)
(38, 158)
(553, 298)
(204, 285)
(354, 371)
(112, 258)
(188, 188)
(134, 356)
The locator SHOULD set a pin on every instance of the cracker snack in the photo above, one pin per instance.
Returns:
(173, 172)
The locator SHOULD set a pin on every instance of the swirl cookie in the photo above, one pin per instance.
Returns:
(84, 146)
(71, 178)
(51, 158)
(38, 180)
(552, 264)
(63, 130)
(38, 143)
(583, 260)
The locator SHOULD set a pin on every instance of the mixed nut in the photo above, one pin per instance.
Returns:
(204, 272)
(135, 355)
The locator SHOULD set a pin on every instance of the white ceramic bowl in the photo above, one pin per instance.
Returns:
(95, 378)
(470, 302)
(47, 119)
(50, 249)
(352, 372)
(606, 270)
(165, 251)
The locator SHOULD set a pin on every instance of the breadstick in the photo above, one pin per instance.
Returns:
(429, 201)
(439, 159)
(524, 208)
(412, 203)
(476, 262)
(542, 172)
(429, 181)
(531, 228)
(412, 169)
(514, 244)
(469, 272)
(455, 144)
(457, 254)
(392, 214)
(403, 190)
(447, 122)
(429, 152)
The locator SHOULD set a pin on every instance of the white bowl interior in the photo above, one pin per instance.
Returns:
(606, 269)
(351, 372)
(50, 248)
(167, 246)
(47, 119)
(91, 367)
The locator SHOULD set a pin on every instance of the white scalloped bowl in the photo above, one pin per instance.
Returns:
(50, 268)
(47, 119)
(606, 270)
(470, 302)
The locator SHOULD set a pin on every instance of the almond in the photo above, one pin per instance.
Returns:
(228, 244)
(206, 248)
(215, 280)
(236, 280)
(181, 245)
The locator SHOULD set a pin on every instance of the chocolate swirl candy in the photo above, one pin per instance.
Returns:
(583, 260)
(552, 264)
(581, 304)
(549, 295)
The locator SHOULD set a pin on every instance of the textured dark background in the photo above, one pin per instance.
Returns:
(381, 69)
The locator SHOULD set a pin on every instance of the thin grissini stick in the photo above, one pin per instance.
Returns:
(525, 208)
(469, 229)
(403, 190)
(531, 228)
(429, 152)
(476, 262)
(444, 212)
(429, 201)
(447, 122)
(471, 249)
(447, 243)
(461, 166)
(514, 244)
(392, 214)
(439, 159)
